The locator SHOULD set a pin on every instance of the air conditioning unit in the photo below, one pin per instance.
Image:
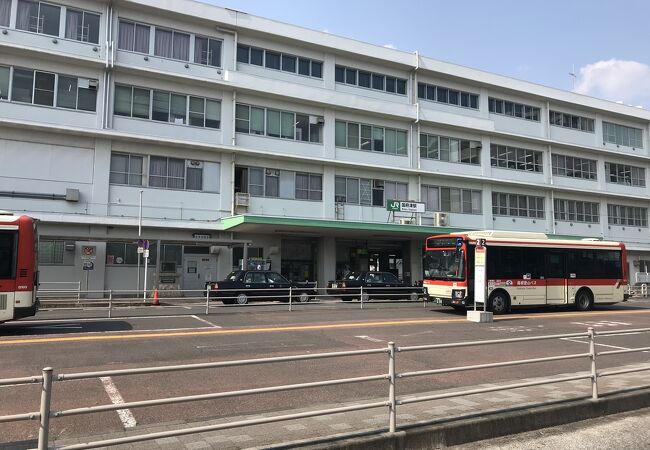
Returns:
(406, 221)
(242, 199)
(440, 219)
(340, 211)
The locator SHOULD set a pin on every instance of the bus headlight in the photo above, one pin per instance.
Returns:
(457, 294)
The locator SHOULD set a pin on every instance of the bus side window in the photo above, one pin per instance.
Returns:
(555, 264)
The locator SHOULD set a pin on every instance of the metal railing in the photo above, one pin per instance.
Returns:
(48, 380)
(111, 300)
(58, 291)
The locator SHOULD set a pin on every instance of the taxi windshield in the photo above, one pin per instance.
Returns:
(444, 265)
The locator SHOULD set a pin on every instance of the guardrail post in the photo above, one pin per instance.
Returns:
(110, 303)
(361, 297)
(78, 292)
(290, 297)
(207, 300)
(46, 397)
(392, 408)
(592, 357)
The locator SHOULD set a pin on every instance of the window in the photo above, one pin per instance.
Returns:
(22, 86)
(368, 192)
(370, 80)
(279, 61)
(580, 123)
(456, 200)
(569, 166)
(450, 149)
(4, 82)
(576, 211)
(38, 17)
(132, 101)
(515, 158)
(133, 37)
(309, 186)
(624, 174)
(504, 204)
(167, 172)
(449, 96)
(371, 138)
(126, 253)
(44, 88)
(51, 252)
(5, 12)
(621, 135)
(172, 44)
(82, 26)
(279, 124)
(126, 169)
(513, 109)
(207, 51)
(627, 215)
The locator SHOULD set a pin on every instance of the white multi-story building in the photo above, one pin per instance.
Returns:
(241, 132)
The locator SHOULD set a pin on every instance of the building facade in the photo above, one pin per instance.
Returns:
(232, 138)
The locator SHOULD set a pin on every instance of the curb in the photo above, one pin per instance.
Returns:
(491, 425)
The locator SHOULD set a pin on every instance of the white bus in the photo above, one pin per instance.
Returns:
(525, 269)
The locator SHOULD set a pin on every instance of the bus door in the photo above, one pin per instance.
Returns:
(556, 287)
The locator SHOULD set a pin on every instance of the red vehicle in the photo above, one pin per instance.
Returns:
(526, 269)
(18, 267)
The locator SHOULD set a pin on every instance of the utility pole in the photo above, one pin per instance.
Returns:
(137, 287)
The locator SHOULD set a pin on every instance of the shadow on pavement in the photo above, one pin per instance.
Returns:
(67, 327)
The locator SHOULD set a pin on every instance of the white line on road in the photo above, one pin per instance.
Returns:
(96, 319)
(206, 321)
(368, 338)
(125, 414)
(602, 345)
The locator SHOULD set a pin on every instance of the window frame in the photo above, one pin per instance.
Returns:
(397, 82)
(519, 110)
(429, 92)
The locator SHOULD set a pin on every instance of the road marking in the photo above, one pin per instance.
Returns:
(97, 319)
(602, 345)
(199, 332)
(206, 321)
(602, 323)
(125, 414)
(368, 338)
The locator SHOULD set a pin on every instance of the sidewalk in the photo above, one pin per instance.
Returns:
(302, 432)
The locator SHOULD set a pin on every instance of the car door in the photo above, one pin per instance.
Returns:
(279, 284)
(375, 285)
(255, 282)
(393, 287)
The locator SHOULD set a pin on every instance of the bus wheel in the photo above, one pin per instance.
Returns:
(498, 303)
(584, 301)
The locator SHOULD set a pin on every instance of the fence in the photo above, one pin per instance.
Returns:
(60, 289)
(111, 300)
(48, 381)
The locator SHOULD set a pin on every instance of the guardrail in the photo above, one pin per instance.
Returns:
(48, 380)
(111, 300)
(58, 292)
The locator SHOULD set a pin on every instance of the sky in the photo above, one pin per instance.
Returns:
(539, 41)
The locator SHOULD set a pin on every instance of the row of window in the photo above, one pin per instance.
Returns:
(45, 18)
(515, 158)
(513, 109)
(276, 183)
(627, 215)
(448, 96)
(280, 124)
(449, 149)
(622, 135)
(163, 106)
(168, 43)
(371, 138)
(47, 89)
(279, 61)
(369, 80)
(624, 174)
(164, 172)
(576, 211)
(447, 199)
(516, 205)
(574, 167)
(364, 191)
(571, 121)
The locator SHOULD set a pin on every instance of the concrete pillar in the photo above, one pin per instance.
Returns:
(329, 207)
(326, 260)
(98, 204)
(415, 255)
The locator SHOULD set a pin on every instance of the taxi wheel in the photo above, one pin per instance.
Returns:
(242, 299)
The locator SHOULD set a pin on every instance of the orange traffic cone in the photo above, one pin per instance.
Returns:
(155, 297)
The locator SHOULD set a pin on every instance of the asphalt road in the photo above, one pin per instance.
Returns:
(75, 341)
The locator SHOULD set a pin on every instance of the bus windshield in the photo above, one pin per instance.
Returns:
(444, 265)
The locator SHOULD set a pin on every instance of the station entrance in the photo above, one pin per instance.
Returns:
(385, 256)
